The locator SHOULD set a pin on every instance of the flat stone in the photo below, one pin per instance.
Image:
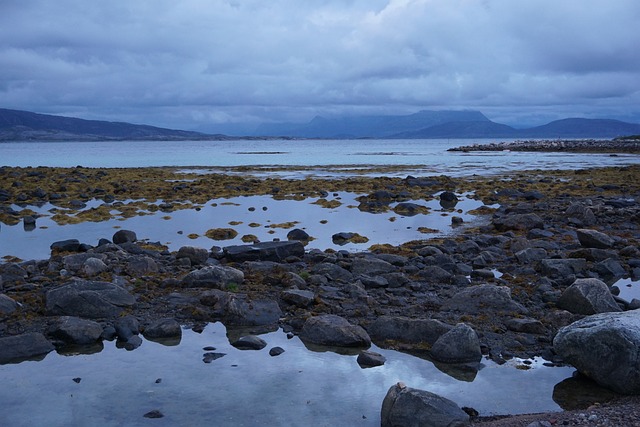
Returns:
(332, 330)
(88, 299)
(18, 348)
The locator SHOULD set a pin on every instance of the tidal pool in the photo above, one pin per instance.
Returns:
(300, 387)
(261, 216)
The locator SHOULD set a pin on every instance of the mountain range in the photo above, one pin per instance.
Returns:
(17, 125)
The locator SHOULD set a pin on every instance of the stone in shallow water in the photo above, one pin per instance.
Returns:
(249, 342)
(332, 330)
(88, 299)
(23, 347)
(370, 359)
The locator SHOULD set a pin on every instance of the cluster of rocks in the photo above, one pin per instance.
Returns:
(571, 145)
(536, 280)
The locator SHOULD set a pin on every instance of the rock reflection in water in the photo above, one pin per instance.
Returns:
(246, 388)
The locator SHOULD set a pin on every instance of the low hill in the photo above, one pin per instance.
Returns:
(16, 125)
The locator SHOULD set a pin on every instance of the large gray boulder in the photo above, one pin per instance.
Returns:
(562, 267)
(88, 299)
(386, 329)
(74, 330)
(163, 328)
(594, 239)
(409, 407)
(588, 296)
(522, 222)
(485, 298)
(264, 251)
(459, 345)
(213, 276)
(332, 330)
(124, 236)
(23, 347)
(606, 348)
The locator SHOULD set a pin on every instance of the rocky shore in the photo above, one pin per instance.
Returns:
(545, 257)
(631, 145)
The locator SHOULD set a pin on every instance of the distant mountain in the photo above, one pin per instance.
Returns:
(445, 124)
(369, 126)
(581, 128)
(16, 125)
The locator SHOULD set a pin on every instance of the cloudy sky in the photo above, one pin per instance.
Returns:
(213, 64)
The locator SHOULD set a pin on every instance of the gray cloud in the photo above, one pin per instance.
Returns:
(198, 64)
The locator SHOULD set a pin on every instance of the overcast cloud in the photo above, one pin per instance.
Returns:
(204, 64)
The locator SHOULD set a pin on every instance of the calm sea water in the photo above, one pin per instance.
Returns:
(430, 155)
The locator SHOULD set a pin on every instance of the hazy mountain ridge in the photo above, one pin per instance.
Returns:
(16, 125)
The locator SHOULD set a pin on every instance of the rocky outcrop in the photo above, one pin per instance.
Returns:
(606, 348)
(332, 330)
(88, 299)
(409, 407)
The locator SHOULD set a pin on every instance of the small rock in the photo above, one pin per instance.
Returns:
(276, 351)
(369, 359)
(154, 414)
(249, 342)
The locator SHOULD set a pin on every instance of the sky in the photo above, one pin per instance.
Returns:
(228, 65)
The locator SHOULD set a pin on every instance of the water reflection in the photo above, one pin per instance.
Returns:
(261, 216)
(246, 388)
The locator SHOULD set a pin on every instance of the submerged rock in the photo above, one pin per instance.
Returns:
(459, 345)
(73, 330)
(264, 251)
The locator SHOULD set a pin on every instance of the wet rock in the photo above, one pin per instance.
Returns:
(70, 245)
(126, 327)
(276, 351)
(298, 234)
(214, 276)
(88, 299)
(604, 347)
(388, 329)
(196, 256)
(370, 359)
(163, 328)
(211, 356)
(459, 345)
(594, 239)
(410, 209)
(7, 305)
(131, 344)
(484, 298)
(588, 296)
(249, 342)
(264, 251)
(154, 414)
(297, 297)
(409, 407)
(124, 236)
(74, 330)
(332, 330)
(18, 348)
(240, 312)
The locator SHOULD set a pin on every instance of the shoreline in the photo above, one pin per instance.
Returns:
(612, 196)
